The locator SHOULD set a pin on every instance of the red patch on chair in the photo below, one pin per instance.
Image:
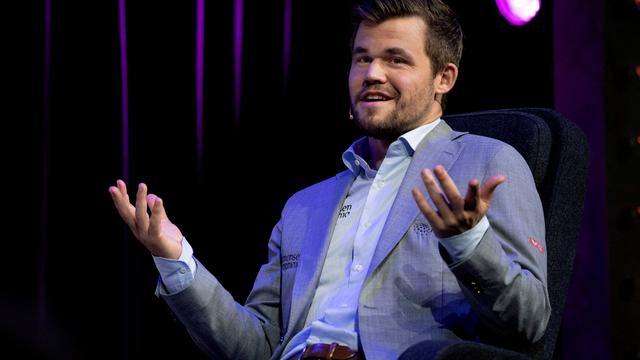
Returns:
(537, 245)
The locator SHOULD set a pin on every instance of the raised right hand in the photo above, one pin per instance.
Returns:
(159, 235)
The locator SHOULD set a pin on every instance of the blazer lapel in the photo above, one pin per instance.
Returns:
(314, 249)
(435, 149)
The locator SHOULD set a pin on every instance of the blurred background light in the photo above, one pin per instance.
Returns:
(518, 12)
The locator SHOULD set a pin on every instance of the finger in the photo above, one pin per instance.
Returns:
(125, 209)
(434, 219)
(449, 188)
(486, 192)
(142, 217)
(122, 187)
(123, 190)
(438, 197)
(151, 200)
(157, 215)
(473, 195)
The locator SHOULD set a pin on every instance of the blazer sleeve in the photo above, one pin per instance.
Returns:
(223, 328)
(505, 277)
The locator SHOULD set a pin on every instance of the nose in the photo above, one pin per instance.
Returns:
(374, 74)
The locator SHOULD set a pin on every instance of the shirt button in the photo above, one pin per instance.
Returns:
(357, 162)
(357, 268)
(182, 270)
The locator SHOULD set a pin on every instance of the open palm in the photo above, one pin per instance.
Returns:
(156, 232)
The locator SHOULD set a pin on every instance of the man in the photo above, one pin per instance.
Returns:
(363, 264)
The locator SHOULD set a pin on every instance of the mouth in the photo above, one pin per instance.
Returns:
(372, 98)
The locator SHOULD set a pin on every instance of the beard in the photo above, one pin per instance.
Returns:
(392, 125)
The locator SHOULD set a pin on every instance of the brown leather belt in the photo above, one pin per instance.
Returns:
(329, 352)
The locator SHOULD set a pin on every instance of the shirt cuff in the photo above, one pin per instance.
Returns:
(177, 274)
(462, 245)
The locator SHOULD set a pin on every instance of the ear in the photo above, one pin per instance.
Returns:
(445, 79)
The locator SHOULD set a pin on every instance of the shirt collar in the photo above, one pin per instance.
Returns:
(354, 157)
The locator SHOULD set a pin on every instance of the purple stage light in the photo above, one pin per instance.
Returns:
(518, 12)
(124, 76)
(238, 17)
(286, 56)
(199, 83)
(44, 205)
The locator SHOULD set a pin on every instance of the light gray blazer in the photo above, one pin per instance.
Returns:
(411, 294)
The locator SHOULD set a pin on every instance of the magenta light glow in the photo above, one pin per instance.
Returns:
(518, 12)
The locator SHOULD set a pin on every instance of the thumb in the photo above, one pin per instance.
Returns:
(157, 215)
(151, 201)
(486, 192)
(158, 208)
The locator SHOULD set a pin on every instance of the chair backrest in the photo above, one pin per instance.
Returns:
(556, 151)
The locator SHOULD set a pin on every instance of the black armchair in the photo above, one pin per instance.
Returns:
(556, 151)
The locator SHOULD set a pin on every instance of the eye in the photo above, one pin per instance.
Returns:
(362, 59)
(397, 60)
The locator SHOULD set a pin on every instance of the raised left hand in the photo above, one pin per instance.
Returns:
(453, 214)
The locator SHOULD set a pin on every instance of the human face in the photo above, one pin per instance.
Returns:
(391, 83)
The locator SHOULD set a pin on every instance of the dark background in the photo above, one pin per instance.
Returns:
(77, 284)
